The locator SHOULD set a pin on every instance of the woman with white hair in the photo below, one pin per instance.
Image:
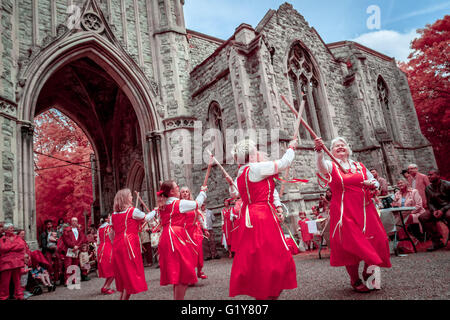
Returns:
(356, 231)
(263, 266)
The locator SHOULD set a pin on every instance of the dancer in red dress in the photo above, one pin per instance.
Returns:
(104, 256)
(194, 225)
(176, 257)
(226, 226)
(303, 228)
(263, 266)
(356, 231)
(127, 257)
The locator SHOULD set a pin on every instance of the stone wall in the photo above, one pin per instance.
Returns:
(201, 47)
(8, 168)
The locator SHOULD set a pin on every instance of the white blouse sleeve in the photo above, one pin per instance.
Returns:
(276, 199)
(261, 170)
(324, 166)
(189, 205)
(371, 178)
(139, 215)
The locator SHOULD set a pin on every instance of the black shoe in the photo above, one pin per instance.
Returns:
(435, 246)
(217, 257)
(85, 278)
(207, 259)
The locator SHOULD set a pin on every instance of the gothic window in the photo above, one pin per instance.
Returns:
(305, 82)
(216, 122)
(383, 97)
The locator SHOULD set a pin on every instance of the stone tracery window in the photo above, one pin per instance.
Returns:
(304, 79)
(383, 97)
(216, 122)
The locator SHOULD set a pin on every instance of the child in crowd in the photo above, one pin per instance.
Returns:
(25, 272)
(42, 274)
(52, 241)
(85, 264)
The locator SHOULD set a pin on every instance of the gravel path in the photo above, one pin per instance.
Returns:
(416, 276)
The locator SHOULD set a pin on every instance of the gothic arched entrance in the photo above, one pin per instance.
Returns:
(102, 89)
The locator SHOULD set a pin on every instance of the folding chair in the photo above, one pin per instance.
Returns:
(389, 224)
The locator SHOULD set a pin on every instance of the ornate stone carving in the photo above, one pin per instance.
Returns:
(8, 108)
(179, 123)
(92, 22)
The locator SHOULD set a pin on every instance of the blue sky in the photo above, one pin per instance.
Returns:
(334, 20)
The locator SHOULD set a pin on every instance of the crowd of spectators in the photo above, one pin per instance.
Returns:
(429, 194)
(24, 273)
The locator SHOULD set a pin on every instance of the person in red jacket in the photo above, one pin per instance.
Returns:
(72, 239)
(12, 260)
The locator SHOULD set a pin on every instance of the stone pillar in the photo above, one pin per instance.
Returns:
(179, 142)
(243, 35)
(26, 185)
(8, 183)
(153, 165)
(172, 56)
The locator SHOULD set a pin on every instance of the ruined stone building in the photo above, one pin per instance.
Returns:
(136, 80)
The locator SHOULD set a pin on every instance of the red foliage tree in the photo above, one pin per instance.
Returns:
(428, 72)
(63, 176)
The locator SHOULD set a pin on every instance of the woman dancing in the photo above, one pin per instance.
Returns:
(194, 226)
(263, 266)
(356, 231)
(177, 260)
(127, 259)
(104, 256)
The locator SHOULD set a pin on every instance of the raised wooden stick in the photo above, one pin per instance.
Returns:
(296, 130)
(313, 134)
(137, 199)
(208, 171)
(225, 173)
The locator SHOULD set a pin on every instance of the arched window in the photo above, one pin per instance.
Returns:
(215, 122)
(304, 80)
(383, 97)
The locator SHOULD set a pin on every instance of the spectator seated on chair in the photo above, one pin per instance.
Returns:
(438, 197)
(39, 270)
(408, 197)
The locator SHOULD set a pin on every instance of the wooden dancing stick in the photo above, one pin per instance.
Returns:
(137, 199)
(313, 134)
(143, 203)
(296, 131)
(208, 171)
(225, 173)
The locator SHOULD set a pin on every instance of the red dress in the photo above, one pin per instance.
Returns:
(351, 211)
(177, 259)
(195, 234)
(127, 259)
(104, 253)
(226, 228)
(306, 236)
(263, 265)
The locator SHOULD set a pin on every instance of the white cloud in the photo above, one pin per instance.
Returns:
(391, 43)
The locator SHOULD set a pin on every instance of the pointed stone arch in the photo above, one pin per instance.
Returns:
(129, 77)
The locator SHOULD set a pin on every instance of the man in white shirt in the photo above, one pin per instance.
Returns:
(209, 243)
